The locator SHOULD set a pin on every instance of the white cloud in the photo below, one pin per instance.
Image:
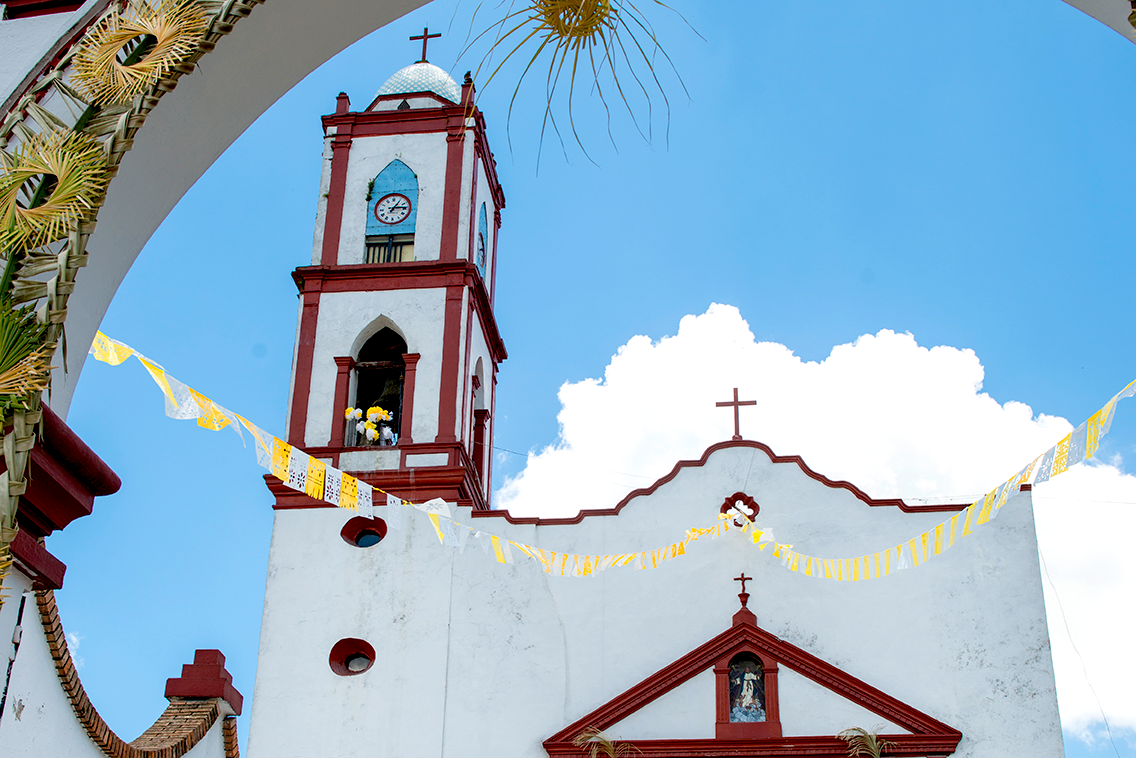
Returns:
(895, 418)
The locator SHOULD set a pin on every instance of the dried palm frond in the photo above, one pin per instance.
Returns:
(865, 742)
(53, 179)
(600, 38)
(124, 53)
(5, 566)
(24, 356)
(599, 744)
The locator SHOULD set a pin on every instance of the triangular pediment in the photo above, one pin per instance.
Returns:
(672, 712)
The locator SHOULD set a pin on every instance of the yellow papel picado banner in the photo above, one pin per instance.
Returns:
(318, 480)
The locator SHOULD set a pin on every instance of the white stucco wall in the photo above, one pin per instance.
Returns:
(25, 41)
(472, 654)
(425, 154)
(419, 315)
(38, 718)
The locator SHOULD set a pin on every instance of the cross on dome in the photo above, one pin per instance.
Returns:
(426, 36)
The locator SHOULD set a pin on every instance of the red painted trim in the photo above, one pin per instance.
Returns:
(452, 198)
(305, 359)
(489, 442)
(44, 569)
(61, 442)
(64, 477)
(383, 277)
(493, 266)
(724, 729)
(480, 420)
(28, 8)
(467, 378)
(473, 231)
(206, 678)
(451, 344)
(930, 736)
(773, 457)
(336, 193)
(54, 54)
(343, 367)
(456, 482)
(406, 424)
(789, 747)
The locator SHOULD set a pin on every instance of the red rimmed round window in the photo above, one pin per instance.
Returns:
(364, 532)
(351, 656)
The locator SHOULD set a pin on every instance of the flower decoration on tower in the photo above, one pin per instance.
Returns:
(611, 43)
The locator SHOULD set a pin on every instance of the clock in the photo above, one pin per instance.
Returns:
(481, 252)
(393, 208)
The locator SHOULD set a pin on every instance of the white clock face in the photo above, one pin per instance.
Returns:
(393, 208)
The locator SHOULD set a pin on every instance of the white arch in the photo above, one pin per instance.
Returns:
(266, 55)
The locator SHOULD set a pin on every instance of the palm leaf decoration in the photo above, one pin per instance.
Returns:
(603, 40)
(599, 744)
(865, 742)
(24, 356)
(5, 566)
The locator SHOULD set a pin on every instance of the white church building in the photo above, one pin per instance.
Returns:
(382, 642)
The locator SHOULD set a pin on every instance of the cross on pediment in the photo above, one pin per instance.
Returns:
(743, 595)
(736, 405)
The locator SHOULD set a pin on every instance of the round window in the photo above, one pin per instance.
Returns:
(351, 656)
(364, 532)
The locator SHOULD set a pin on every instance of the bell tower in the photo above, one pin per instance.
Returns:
(396, 308)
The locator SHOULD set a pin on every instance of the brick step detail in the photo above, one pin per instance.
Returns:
(181, 726)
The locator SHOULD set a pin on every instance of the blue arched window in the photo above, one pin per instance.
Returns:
(392, 210)
(481, 244)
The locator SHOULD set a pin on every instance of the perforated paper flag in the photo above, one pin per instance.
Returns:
(394, 512)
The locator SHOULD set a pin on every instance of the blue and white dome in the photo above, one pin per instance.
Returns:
(422, 77)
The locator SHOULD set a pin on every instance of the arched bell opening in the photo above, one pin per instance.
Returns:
(380, 379)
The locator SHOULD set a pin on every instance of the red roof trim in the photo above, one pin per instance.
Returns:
(928, 735)
(773, 457)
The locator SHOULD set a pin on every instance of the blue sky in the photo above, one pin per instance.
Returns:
(957, 172)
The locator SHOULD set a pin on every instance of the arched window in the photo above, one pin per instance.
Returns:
(392, 210)
(380, 374)
(482, 242)
(747, 690)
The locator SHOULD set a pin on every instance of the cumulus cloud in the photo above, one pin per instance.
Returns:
(894, 417)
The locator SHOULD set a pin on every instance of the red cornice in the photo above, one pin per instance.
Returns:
(370, 277)
(371, 123)
(44, 569)
(928, 735)
(773, 457)
(457, 482)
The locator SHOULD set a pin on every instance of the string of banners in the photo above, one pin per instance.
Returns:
(318, 480)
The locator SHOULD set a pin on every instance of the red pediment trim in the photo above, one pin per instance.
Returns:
(929, 737)
(773, 457)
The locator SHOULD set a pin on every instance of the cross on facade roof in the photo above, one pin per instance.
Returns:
(736, 404)
(743, 595)
(426, 36)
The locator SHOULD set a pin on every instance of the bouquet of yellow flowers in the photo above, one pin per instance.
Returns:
(369, 428)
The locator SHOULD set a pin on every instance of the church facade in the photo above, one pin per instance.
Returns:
(380, 641)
